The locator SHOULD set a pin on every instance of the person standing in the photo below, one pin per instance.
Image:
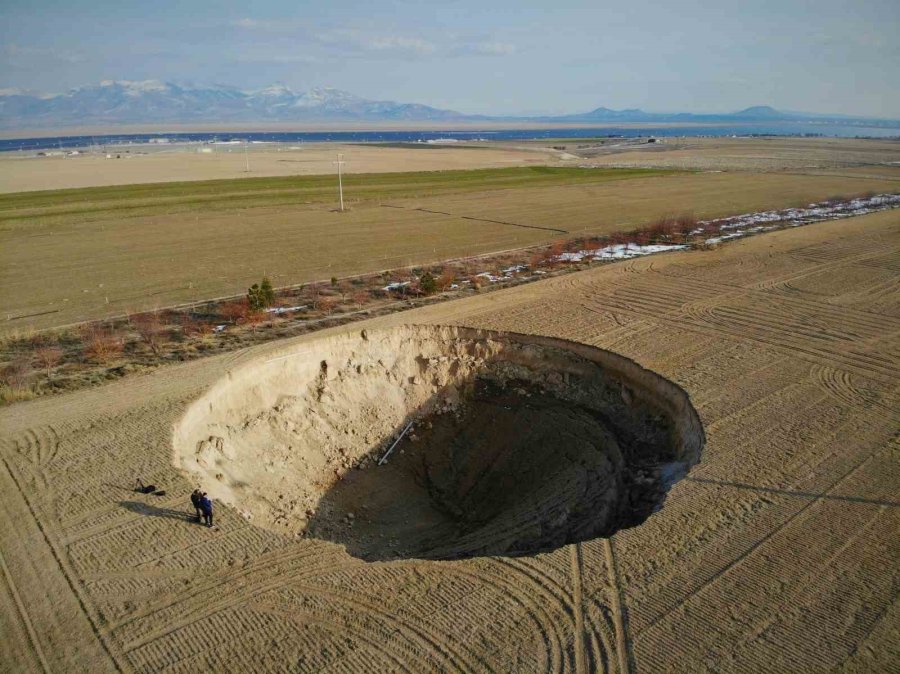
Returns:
(196, 495)
(206, 507)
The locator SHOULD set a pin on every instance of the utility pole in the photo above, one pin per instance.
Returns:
(247, 156)
(340, 164)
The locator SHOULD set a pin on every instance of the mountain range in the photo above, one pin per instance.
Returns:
(119, 102)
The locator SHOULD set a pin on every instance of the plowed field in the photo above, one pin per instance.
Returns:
(778, 552)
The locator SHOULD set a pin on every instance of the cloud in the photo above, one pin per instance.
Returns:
(259, 24)
(354, 42)
(361, 43)
(400, 44)
(18, 54)
(486, 49)
(276, 57)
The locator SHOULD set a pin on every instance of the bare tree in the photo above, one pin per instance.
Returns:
(102, 344)
(150, 329)
(15, 374)
(360, 297)
(48, 357)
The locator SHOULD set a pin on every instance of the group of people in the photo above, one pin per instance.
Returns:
(203, 507)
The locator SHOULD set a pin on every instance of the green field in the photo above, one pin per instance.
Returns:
(154, 198)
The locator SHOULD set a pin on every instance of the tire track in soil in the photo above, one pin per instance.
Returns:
(859, 317)
(754, 548)
(803, 583)
(68, 575)
(600, 644)
(548, 630)
(434, 642)
(624, 656)
(24, 620)
(839, 385)
(400, 663)
(557, 593)
(862, 363)
(197, 602)
(578, 604)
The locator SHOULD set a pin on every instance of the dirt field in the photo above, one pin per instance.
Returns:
(121, 250)
(804, 155)
(776, 553)
(146, 164)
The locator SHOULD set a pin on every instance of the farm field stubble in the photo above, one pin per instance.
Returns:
(804, 155)
(148, 164)
(110, 251)
(777, 552)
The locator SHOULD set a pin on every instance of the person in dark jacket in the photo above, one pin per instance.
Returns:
(196, 495)
(207, 509)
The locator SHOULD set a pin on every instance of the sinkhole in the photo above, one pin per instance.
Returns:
(499, 443)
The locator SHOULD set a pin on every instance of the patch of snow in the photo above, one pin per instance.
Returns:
(285, 310)
(622, 251)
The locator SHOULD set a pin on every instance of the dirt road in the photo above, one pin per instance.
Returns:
(776, 553)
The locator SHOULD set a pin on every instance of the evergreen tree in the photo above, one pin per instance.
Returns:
(267, 292)
(261, 296)
(427, 283)
(254, 297)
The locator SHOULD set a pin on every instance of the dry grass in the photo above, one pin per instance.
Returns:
(104, 263)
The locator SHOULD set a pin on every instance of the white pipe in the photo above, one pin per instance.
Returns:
(391, 448)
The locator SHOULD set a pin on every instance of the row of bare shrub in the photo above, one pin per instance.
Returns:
(153, 335)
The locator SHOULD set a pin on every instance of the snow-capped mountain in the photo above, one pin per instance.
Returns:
(115, 102)
(129, 102)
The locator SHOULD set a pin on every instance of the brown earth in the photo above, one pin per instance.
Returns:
(776, 553)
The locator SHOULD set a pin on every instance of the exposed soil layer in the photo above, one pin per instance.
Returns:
(513, 444)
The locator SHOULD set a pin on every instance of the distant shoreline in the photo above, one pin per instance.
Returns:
(81, 137)
(336, 127)
(782, 128)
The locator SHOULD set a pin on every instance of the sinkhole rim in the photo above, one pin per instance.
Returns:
(312, 379)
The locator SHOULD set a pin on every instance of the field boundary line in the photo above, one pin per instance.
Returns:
(473, 218)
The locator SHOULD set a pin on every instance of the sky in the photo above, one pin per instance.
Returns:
(485, 57)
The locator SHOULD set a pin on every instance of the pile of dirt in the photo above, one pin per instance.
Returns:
(512, 443)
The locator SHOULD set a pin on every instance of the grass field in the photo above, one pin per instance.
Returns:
(108, 251)
(33, 208)
(777, 552)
